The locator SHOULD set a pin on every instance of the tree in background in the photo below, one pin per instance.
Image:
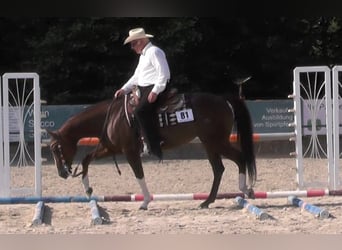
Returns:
(83, 60)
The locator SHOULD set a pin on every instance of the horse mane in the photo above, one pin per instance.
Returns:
(86, 122)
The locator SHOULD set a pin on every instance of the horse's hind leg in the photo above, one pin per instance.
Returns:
(218, 169)
(236, 156)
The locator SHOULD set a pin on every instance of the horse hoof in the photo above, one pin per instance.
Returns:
(250, 193)
(142, 208)
(204, 205)
(89, 192)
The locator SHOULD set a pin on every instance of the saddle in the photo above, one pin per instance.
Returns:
(170, 104)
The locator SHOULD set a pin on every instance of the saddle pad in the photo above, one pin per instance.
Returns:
(181, 116)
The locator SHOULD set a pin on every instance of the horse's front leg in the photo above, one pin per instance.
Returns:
(85, 179)
(146, 193)
(134, 161)
(99, 152)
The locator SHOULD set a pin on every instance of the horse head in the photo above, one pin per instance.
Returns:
(62, 154)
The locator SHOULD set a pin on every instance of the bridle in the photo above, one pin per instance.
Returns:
(56, 149)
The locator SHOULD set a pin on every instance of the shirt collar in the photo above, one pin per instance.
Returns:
(146, 48)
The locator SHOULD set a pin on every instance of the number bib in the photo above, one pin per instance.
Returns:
(184, 115)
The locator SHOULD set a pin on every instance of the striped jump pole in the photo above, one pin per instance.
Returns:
(265, 137)
(260, 214)
(95, 214)
(38, 214)
(298, 193)
(93, 141)
(168, 197)
(88, 141)
(317, 211)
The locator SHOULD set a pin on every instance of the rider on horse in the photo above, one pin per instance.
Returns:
(151, 75)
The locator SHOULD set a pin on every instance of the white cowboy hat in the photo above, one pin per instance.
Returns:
(135, 34)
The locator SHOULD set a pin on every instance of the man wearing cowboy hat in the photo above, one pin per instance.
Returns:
(151, 76)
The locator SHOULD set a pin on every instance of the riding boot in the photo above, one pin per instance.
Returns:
(152, 141)
(148, 123)
(147, 117)
(150, 136)
(156, 148)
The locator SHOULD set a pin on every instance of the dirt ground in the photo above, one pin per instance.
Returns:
(171, 217)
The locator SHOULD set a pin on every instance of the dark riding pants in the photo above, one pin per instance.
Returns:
(147, 117)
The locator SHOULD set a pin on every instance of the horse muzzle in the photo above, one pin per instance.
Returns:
(64, 171)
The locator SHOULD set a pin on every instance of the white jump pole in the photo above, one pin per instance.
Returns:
(95, 214)
(38, 214)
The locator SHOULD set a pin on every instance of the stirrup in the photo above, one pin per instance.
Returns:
(145, 151)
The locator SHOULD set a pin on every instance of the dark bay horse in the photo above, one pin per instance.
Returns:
(209, 117)
(64, 141)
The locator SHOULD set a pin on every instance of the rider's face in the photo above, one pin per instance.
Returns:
(137, 46)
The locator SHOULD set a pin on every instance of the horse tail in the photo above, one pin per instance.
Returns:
(245, 135)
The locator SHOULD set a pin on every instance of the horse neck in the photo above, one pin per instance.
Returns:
(72, 134)
(89, 125)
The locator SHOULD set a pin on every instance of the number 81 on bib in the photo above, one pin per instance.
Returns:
(184, 115)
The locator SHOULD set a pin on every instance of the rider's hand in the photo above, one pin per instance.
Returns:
(119, 93)
(152, 97)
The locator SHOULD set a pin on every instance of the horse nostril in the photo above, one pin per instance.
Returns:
(67, 170)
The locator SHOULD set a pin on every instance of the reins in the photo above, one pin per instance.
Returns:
(102, 138)
(103, 133)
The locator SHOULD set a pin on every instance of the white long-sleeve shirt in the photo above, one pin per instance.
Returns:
(152, 69)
